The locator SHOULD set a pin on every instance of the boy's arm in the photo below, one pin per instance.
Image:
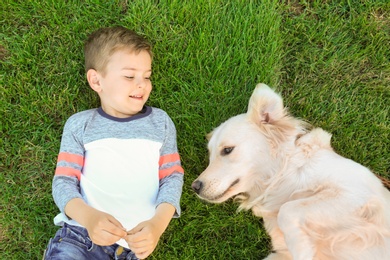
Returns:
(164, 214)
(170, 191)
(171, 173)
(65, 188)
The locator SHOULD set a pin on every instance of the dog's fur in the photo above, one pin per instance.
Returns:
(315, 203)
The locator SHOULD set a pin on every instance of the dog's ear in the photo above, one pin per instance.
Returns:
(208, 136)
(265, 105)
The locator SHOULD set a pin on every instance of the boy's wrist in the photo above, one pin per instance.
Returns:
(78, 210)
(164, 214)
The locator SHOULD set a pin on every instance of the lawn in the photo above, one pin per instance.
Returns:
(329, 59)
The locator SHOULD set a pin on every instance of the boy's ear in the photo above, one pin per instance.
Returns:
(93, 80)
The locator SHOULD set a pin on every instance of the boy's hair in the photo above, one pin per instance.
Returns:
(102, 43)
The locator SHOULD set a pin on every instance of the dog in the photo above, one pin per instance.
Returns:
(315, 204)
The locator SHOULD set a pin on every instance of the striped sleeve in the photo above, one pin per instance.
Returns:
(171, 173)
(170, 191)
(64, 189)
(69, 164)
(70, 161)
(169, 164)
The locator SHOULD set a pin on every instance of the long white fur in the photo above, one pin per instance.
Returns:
(315, 203)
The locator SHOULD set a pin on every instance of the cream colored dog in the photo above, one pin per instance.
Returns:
(315, 203)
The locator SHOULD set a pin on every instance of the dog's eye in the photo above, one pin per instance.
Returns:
(227, 150)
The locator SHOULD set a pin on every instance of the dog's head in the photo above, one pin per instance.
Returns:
(243, 150)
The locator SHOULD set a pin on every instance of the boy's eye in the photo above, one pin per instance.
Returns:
(129, 77)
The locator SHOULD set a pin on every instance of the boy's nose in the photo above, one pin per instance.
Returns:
(141, 83)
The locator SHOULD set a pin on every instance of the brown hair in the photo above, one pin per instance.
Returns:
(102, 43)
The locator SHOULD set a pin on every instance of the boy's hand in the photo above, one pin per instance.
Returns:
(143, 238)
(104, 229)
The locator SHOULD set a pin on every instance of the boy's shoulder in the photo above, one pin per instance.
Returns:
(158, 111)
(83, 115)
(80, 119)
(160, 114)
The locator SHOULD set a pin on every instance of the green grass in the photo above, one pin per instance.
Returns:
(330, 60)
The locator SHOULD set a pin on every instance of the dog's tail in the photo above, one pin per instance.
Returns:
(386, 182)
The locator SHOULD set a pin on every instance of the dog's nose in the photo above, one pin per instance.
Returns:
(197, 186)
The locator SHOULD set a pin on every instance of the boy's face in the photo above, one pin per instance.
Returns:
(126, 85)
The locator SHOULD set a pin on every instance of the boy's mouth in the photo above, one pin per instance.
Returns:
(136, 96)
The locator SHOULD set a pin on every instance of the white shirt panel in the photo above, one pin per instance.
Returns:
(131, 200)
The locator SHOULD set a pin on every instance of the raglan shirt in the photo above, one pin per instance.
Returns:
(125, 167)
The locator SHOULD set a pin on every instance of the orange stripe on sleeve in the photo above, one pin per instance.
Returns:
(67, 171)
(71, 158)
(169, 158)
(166, 172)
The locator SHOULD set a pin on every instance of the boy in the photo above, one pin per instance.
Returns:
(119, 178)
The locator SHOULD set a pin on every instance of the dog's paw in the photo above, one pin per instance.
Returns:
(278, 256)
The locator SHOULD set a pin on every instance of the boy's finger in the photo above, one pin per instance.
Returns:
(135, 238)
(135, 230)
(116, 222)
(116, 228)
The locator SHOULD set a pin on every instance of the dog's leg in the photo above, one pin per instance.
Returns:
(308, 219)
(280, 251)
(303, 221)
(291, 218)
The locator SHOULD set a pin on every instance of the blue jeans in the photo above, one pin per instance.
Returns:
(72, 242)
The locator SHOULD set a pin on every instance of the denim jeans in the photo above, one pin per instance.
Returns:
(72, 242)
